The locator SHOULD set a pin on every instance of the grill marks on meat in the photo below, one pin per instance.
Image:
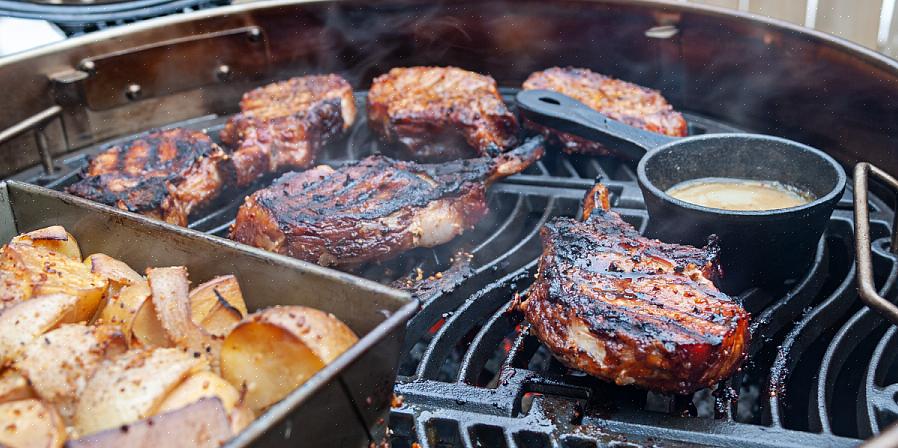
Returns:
(164, 174)
(373, 209)
(440, 113)
(633, 310)
(632, 104)
(283, 125)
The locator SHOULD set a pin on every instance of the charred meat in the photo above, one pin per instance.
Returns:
(633, 310)
(283, 125)
(634, 105)
(373, 209)
(436, 114)
(164, 174)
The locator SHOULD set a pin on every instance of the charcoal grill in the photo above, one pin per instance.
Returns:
(822, 370)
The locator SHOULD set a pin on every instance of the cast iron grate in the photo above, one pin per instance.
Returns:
(822, 368)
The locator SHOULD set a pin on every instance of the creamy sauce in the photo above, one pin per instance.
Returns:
(739, 194)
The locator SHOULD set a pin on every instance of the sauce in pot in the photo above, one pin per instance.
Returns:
(739, 194)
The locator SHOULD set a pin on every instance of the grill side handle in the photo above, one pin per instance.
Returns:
(863, 256)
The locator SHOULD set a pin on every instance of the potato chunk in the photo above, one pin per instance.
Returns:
(275, 350)
(54, 239)
(169, 287)
(22, 323)
(132, 387)
(30, 424)
(112, 269)
(203, 424)
(49, 272)
(201, 385)
(14, 386)
(218, 305)
(59, 363)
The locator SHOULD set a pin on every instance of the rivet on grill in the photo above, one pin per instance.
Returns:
(87, 66)
(254, 35)
(134, 91)
(662, 32)
(223, 72)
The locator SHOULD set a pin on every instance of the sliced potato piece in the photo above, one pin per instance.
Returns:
(201, 385)
(14, 386)
(170, 288)
(112, 269)
(203, 424)
(59, 363)
(30, 424)
(241, 416)
(132, 386)
(275, 350)
(147, 328)
(51, 272)
(218, 305)
(25, 321)
(132, 311)
(54, 239)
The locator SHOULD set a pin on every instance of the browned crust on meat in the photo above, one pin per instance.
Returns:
(373, 209)
(284, 125)
(164, 174)
(632, 310)
(440, 113)
(632, 104)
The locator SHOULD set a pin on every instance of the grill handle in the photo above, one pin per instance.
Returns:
(865, 286)
(563, 113)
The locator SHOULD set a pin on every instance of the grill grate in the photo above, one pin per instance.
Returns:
(822, 367)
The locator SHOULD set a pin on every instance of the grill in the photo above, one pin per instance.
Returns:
(821, 368)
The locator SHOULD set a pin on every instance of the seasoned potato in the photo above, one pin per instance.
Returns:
(14, 386)
(51, 272)
(275, 350)
(30, 424)
(132, 386)
(25, 321)
(218, 305)
(54, 239)
(112, 269)
(59, 363)
(131, 309)
(203, 424)
(169, 287)
(201, 385)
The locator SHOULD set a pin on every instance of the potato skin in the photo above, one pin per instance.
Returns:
(132, 386)
(324, 334)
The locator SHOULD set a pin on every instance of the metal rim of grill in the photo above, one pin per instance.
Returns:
(472, 376)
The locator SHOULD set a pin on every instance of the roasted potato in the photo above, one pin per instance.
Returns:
(30, 424)
(14, 386)
(25, 321)
(59, 363)
(201, 385)
(275, 350)
(114, 270)
(169, 287)
(131, 309)
(218, 305)
(49, 272)
(132, 386)
(201, 424)
(53, 239)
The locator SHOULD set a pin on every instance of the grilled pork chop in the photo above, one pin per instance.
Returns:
(633, 310)
(164, 174)
(283, 125)
(620, 100)
(436, 114)
(373, 209)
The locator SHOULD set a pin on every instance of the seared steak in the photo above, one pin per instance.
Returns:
(440, 113)
(283, 125)
(373, 209)
(633, 310)
(620, 100)
(165, 174)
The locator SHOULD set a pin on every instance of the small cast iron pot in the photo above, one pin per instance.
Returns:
(758, 248)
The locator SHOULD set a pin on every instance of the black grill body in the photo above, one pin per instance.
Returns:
(821, 370)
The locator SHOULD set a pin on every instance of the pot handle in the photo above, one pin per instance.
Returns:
(865, 286)
(565, 114)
